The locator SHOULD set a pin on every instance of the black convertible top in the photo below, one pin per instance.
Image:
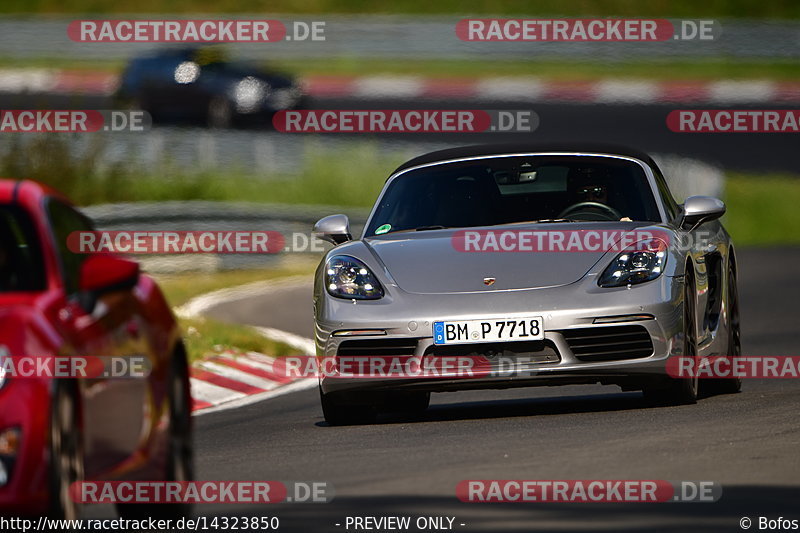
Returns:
(511, 148)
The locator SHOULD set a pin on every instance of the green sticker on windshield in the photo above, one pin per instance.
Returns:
(383, 229)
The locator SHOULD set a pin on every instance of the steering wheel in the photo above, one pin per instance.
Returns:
(590, 208)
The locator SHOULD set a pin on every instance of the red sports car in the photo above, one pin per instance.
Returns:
(54, 303)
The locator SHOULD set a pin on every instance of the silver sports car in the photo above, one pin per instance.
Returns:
(509, 266)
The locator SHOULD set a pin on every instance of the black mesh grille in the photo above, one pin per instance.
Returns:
(377, 347)
(609, 343)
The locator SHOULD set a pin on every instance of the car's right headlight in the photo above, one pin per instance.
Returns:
(642, 262)
(347, 277)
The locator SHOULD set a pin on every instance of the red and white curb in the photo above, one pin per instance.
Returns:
(516, 88)
(229, 380)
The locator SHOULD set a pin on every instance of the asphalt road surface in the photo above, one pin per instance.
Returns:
(748, 442)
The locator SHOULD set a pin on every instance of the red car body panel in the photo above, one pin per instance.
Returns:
(124, 421)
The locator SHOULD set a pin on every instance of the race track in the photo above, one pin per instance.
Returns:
(748, 442)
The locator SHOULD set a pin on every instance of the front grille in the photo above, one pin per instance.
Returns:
(609, 343)
(506, 356)
(377, 347)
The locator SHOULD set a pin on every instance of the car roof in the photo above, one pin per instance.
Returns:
(516, 148)
(11, 188)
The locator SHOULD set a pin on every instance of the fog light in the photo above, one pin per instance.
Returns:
(359, 332)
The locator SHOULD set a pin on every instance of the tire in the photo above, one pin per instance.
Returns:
(360, 410)
(219, 113)
(66, 451)
(733, 385)
(681, 391)
(179, 461)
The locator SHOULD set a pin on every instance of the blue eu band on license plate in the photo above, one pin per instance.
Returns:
(488, 330)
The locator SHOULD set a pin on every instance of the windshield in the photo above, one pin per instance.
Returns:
(507, 190)
(21, 265)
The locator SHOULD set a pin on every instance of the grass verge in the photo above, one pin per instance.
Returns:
(206, 336)
(763, 209)
(583, 8)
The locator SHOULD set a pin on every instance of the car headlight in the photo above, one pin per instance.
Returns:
(249, 93)
(643, 262)
(347, 277)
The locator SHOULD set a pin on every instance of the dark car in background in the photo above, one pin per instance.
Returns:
(201, 83)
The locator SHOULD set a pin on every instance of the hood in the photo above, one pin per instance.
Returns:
(430, 262)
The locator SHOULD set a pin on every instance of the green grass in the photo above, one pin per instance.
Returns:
(630, 8)
(346, 177)
(205, 336)
(180, 288)
(763, 210)
(552, 69)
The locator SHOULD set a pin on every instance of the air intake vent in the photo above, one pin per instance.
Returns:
(612, 343)
(377, 347)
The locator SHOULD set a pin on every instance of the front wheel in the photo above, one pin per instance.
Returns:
(731, 385)
(357, 410)
(66, 451)
(681, 391)
(179, 457)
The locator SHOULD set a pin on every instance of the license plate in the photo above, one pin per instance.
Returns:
(488, 330)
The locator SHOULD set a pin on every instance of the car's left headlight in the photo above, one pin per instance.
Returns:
(347, 277)
(643, 262)
(249, 93)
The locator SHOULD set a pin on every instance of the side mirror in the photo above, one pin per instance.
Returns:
(700, 209)
(334, 229)
(104, 273)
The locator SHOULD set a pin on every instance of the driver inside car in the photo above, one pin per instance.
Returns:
(589, 195)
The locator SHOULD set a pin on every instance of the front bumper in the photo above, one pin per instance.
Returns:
(653, 309)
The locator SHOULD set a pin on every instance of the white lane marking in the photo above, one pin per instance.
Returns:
(295, 341)
(208, 392)
(509, 88)
(238, 375)
(255, 360)
(26, 80)
(199, 304)
(618, 91)
(383, 86)
(731, 91)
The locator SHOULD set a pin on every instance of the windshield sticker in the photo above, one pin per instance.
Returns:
(383, 229)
